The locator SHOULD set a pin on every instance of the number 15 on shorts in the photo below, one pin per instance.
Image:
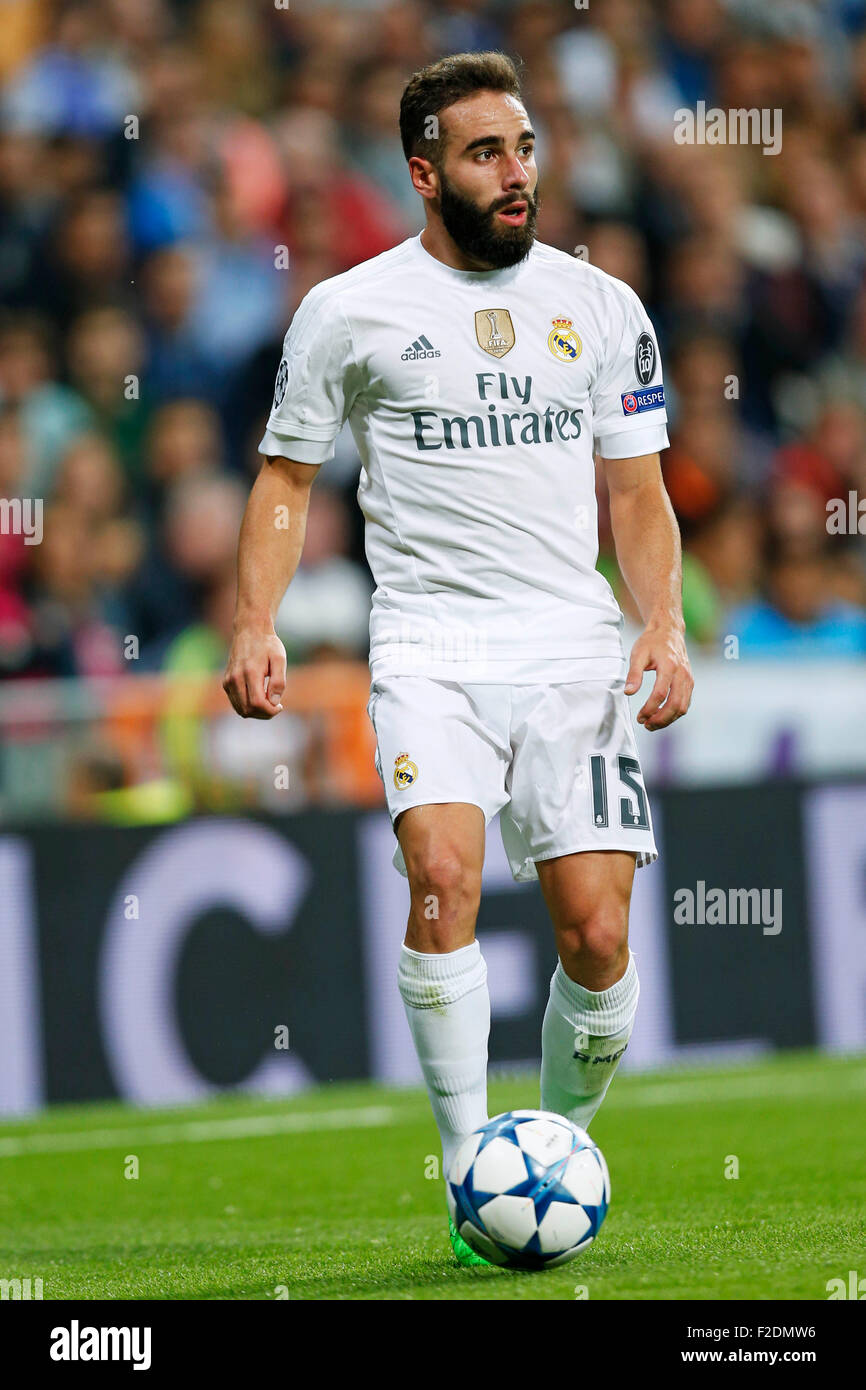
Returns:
(633, 809)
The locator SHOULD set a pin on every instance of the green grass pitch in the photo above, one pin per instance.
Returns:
(327, 1196)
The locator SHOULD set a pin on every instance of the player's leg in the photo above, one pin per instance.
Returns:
(579, 819)
(443, 849)
(443, 751)
(442, 976)
(594, 989)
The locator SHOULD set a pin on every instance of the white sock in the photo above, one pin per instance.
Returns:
(448, 1009)
(584, 1034)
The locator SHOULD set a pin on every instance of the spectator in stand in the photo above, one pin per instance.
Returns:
(372, 141)
(72, 633)
(175, 363)
(728, 543)
(50, 414)
(799, 618)
(105, 361)
(193, 548)
(85, 259)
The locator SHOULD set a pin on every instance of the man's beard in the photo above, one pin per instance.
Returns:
(476, 232)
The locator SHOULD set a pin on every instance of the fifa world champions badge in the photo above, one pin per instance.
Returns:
(405, 771)
(495, 331)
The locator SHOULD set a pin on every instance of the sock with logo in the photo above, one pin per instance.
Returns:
(584, 1034)
(448, 1009)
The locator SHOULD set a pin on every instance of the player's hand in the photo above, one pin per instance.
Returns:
(661, 649)
(255, 675)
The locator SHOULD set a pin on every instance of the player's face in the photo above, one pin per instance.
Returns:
(487, 182)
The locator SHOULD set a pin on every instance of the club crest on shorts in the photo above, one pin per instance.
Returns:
(405, 771)
(494, 331)
(563, 341)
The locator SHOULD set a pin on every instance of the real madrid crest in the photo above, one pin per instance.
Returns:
(494, 331)
(405, 771)
(563, 341)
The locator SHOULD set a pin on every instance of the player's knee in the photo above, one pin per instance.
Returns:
(599, 937)
(444, 887)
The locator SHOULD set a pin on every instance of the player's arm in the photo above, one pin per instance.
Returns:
(648, 550)
(314, 390)
(271, 541)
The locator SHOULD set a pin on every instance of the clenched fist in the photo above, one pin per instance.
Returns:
(255, 675)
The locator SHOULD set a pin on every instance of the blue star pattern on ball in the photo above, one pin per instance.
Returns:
(528, 1190)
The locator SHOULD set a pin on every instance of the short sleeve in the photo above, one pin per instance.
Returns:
(312, 394)
(628, 400)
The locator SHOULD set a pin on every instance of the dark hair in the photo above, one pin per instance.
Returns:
(440, 84)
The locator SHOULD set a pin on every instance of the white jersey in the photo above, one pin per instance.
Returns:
(476, 400)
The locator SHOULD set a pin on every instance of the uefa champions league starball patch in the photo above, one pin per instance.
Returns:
(281, 383)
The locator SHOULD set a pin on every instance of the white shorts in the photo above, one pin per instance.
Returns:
(558, 761)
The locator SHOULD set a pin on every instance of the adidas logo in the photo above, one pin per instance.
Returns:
(422, 347)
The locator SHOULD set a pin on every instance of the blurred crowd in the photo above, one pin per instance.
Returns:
(176, 174)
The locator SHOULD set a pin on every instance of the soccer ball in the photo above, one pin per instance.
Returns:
(529, 1189)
